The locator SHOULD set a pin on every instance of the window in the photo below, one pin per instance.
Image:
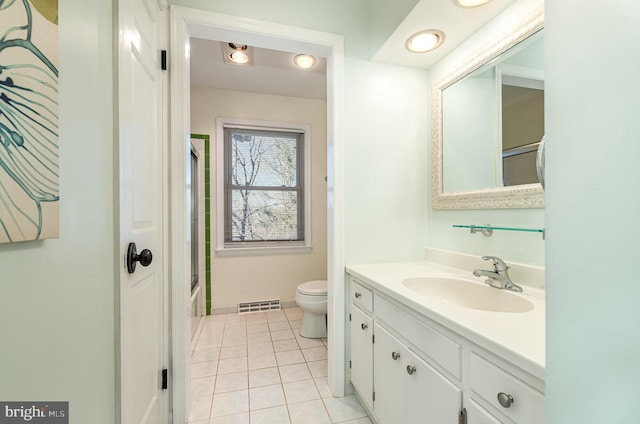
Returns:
(264, 186)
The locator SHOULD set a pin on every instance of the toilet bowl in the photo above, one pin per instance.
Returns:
(311, 297)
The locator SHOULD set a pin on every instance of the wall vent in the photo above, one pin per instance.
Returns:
(261, 305)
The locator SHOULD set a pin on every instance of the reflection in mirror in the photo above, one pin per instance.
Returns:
(488, 120)
(493, 121)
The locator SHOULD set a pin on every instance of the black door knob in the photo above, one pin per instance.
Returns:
(145, 257)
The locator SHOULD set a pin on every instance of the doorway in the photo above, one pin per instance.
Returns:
(187, 23)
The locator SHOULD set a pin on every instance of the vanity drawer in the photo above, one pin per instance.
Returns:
(441, 349)
(361, 296)
(488, 381)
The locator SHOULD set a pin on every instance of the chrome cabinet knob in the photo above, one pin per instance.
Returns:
(411, 369)
(505, 399)
(395, 355)
(357, 295)
(364, 326)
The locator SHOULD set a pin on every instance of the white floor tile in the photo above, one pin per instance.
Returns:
(238, 351)
(282, 345)
(208, 344)
(264, 377)
(290, 357)
(266, 397)
(200, 408)
(260, 370)
(265, 360)
(364, 420)
(231, 382)
(311, 412)
(242, 418)
(257, 328)
(344, 408)
(282, 335)
(227, 366)
(234, 339)
(274, 316)
(230, 403)
(323, 387)
(295, 372)
(279, 325)
(300, 391)
(306, 343)
(317, 368)
(205, 355)
(202, 386)
(262, 337)
(277, 415)
(256, 318)
(260, 348)
(204, 369)
(313, 354)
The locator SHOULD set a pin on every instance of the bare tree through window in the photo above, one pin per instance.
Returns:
(264, 190)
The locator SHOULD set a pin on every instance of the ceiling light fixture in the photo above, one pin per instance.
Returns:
(425, 41)
(304, 61)
(239, 57)
(471, 3)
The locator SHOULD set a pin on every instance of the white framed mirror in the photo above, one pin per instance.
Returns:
(488, 121)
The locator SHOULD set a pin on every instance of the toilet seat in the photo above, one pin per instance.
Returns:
(313, 288)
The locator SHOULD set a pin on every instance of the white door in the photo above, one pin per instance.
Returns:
(143, 293)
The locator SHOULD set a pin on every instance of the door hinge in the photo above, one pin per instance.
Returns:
(374, 396)
(349, 364)
(462, 416)
(349, 317)
(163, 60)
(165, 379)
(373, 338)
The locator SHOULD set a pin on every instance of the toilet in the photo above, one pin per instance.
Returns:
(311, 297)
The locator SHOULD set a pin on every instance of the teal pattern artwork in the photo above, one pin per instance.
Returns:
(29, 178)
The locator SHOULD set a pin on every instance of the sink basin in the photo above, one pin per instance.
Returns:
(467, 294)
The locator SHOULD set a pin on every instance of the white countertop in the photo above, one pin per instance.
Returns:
(516, 337)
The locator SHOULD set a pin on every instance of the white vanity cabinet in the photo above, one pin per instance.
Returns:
(407, 368)
(407, 389)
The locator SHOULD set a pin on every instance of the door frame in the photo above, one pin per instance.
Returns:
(184, 23)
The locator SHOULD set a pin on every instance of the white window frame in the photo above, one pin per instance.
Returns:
(271, 247)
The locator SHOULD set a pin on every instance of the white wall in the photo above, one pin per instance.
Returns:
(593, 179)
(57, 296)
(251, 278)
(528, 248)
(386, 161)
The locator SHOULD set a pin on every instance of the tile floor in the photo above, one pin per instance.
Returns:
(255, 368)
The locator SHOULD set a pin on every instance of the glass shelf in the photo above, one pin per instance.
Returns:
(487, 230)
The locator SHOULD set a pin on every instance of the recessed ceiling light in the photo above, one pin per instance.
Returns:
(239, 57)
(471, 3)
(425, 41)
(304, 61)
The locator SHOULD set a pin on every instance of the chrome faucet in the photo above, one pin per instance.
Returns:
(499, 277)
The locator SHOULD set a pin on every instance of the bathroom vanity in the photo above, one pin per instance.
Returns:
(433, 344)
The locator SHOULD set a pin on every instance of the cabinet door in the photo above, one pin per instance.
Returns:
(478, 415)
(431, 397)
(362, 354)
(389, 356)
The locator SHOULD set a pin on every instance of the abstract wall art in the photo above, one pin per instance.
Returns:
(29, 183)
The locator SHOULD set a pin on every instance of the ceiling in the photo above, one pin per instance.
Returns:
(274, 73)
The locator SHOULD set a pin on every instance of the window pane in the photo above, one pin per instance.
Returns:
(264, 160)
(264, 215)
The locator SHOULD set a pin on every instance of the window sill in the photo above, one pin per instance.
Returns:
(262, 251)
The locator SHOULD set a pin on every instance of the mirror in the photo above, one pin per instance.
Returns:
(487, 124)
